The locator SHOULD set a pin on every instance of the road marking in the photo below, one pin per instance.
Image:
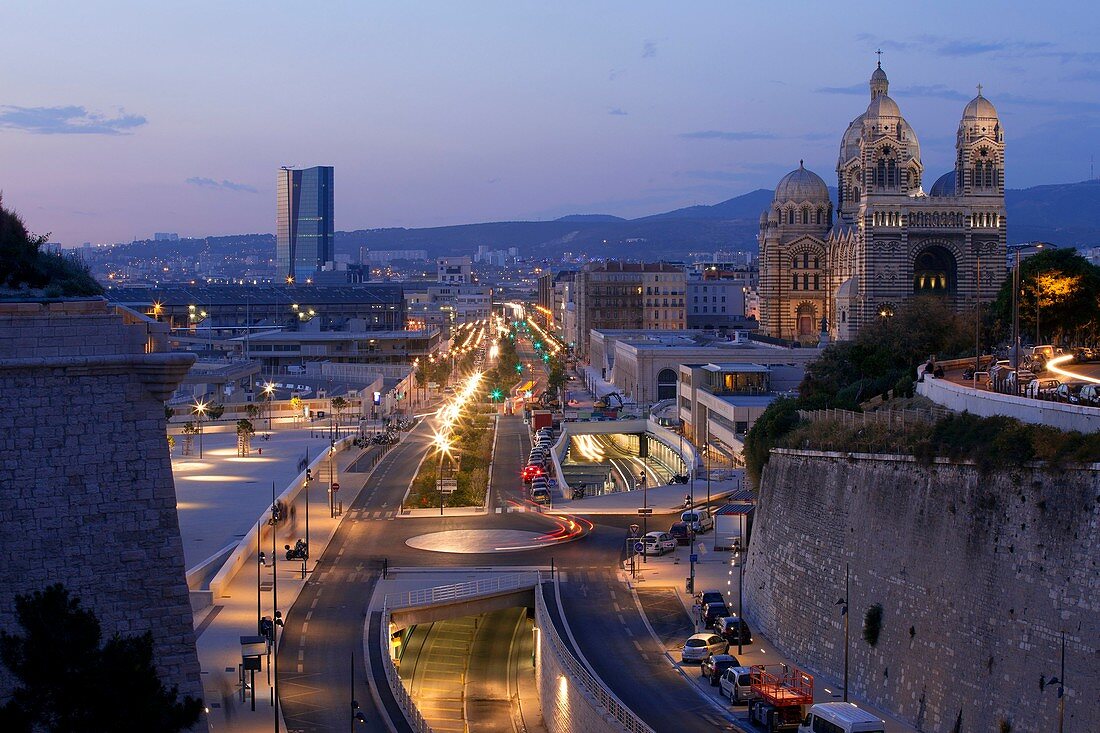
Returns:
(309, 614)
(622, 620)
(299, 669)
(314, 604)
(637, 645)
(628, 631)
(616, 606)
(305, 629)
(301, 654)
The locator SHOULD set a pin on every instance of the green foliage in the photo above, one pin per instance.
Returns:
(780, 417)
(245, 428)
(872, 624)
(23, 264)
(215, 410)
(69, 680)
(190, 428)
(252, 410)
(1067, 288)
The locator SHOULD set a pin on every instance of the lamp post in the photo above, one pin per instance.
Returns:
(1016, 314)
(356, 713)
(843, 603)
(978, 317)
(269, 389)
(199, 409)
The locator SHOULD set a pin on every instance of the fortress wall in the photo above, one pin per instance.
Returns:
(977, 577)
(86, 493)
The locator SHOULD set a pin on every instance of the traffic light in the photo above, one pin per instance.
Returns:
(519, 368)
(496, 394)
(546, 358)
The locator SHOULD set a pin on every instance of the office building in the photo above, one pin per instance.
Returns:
(610, 295)
(304, 228)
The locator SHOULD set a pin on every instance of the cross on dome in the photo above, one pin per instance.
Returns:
(979, 90)
(879, 54)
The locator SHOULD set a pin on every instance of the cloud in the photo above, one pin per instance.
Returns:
(222, 185)
(850, 89)
(615, 74)
(960, 47)
(649, 48)
(617, 111)
(728, 135)
(71, 120)
(938, 91)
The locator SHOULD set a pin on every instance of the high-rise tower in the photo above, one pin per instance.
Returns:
(304, 233)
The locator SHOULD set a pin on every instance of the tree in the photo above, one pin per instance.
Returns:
(190, 430)
(215, 410)
(1066, 289)
(556, 379)
(23, 264)
(295, 406)
(69, 681)
(339, 404)
(252, 410)
(245, 431)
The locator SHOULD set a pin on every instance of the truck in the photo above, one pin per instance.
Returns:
(541, 419)
(732, 523)
(781, 694)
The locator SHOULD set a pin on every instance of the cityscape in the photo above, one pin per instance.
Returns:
(549, 369)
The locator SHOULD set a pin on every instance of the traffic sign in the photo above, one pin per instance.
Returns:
(693, 558)
(335, 486)
(634, 530)
(645, 511)
(638, 547)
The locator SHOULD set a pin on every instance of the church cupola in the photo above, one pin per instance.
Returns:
(880, 85)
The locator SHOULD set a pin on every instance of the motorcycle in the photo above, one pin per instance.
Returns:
(300, 551)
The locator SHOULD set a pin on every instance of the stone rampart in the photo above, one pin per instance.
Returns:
(86, 492)
(977, 576)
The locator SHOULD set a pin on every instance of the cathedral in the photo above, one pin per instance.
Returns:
(826, 271)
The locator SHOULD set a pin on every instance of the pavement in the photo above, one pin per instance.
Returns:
(659, 590)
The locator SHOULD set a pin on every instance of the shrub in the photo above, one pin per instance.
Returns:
(872, 624)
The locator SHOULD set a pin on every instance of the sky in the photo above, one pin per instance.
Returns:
(120, 119)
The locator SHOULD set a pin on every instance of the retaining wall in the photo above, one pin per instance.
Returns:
(86, 491)
(977, 577)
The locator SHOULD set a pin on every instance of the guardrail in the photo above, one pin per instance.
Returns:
(460, 591)
(596, 690)
(429, 596)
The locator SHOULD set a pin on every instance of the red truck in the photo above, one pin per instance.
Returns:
(541, 419)
(781, 693)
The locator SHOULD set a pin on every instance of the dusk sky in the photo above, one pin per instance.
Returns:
(118, 119)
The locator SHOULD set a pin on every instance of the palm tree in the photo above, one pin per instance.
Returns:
(339, 404)
(245, 431)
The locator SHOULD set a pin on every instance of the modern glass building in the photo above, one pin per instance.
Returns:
(304, 241)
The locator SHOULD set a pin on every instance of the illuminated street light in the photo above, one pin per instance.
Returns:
(199, 408)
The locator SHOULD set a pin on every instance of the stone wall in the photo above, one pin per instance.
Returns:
(977, 577)
(86, 493)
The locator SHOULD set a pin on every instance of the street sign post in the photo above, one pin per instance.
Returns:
(645, 511)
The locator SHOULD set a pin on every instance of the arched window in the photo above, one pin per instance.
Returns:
(880, 174)
(666, 384)
(790, 216)
(817, 281)
(820, 216)
(794, 281)
(805, 282)
(805, 216)
(805, 259)
(892, 174)
(815, 263)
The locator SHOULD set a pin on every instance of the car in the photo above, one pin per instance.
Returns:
(711, 596)
(730, 626)
(1041, 388)
(736, 684)
(540, 496)
(699, 519)
(681, 532)
(1083, 354)
(658, 543)
(714, 665)
(530, 471)
(1090, 395)
(1069, 392)
(700, 646)
(712, 612)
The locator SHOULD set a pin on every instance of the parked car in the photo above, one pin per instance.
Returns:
(530, 471)
(736, 684)
(681, 532)
(700, 646)
(1041, 388)
(730, 626)
(658, 543)
(714, 665)
(1069, 392)
(1084, 354)
(713, 612)
(699, 519)
(1090, 395)
(711, 596)
(540, 496)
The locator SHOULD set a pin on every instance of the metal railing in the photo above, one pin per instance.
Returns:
(397, 687)
(460, 591)
(596, 690)
(900, 418)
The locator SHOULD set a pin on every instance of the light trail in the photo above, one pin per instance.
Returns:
(1054, 365)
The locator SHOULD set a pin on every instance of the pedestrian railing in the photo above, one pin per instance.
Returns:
(397, 687)
(460, 591)
(592, 685)
(900, 418)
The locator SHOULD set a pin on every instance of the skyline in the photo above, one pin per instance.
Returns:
(178, 120)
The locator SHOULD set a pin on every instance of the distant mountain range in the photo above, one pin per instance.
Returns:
(1065, 214)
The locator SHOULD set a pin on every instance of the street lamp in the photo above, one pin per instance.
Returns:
(1016, 312)
(843, 603)
(442, 446)
(269, 390)
(199, 409)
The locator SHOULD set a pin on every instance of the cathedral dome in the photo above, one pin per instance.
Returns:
(883, 106)
(944, 185)
(849, 144)
(979, 108)
(801, 185)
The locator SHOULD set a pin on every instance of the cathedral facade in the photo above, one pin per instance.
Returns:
(826, 269)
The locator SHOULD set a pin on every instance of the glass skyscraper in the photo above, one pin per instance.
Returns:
(304, 240)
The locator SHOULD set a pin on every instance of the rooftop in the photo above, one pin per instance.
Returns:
(210, 295)
(338, 335)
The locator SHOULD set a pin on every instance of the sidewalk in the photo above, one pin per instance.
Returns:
(218, 628)
(713, 571)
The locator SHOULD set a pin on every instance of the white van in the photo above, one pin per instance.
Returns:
(840, 717)
(699, 520)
